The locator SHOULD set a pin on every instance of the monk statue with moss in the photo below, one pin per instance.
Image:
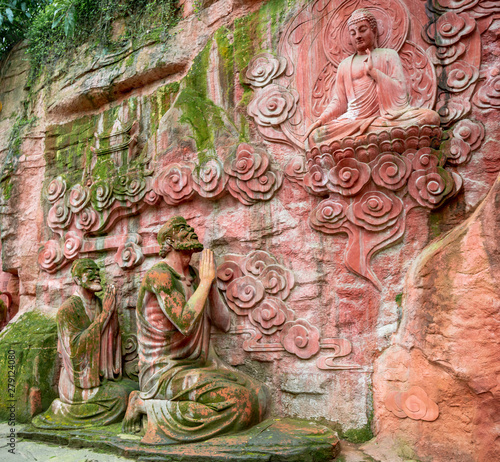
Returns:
(186, 392)
(91, 389)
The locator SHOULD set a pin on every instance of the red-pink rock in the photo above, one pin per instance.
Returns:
(448, 344)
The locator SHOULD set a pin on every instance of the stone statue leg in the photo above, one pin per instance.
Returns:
(217, 402)
(106, 407)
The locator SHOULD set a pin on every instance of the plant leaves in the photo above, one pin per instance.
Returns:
(9, 14)
(69, 22)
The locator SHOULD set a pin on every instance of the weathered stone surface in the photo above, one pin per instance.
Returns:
(279, 440)
(448, 343)
(28, 360)
(190, 98)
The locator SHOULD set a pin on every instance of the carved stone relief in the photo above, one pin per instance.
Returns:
(91, 209)
(256, 287)
(414, 403)
(373, 179)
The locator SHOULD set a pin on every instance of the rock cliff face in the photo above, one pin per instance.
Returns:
(101, 150)
(448, 343)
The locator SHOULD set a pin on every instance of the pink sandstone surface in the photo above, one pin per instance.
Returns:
(443, 338)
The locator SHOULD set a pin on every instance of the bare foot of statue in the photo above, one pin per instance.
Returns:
(132, 423)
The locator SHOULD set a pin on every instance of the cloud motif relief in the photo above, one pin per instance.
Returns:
(414, 403)
(256, 286)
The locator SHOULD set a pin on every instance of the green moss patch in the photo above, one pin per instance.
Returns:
(28, 351)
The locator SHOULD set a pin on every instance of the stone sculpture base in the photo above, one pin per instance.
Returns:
(278, 440)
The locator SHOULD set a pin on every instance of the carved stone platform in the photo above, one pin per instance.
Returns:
(278, 440)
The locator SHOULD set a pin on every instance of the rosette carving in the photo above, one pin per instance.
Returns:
(348, 177)
(300, 338)
(129, 255)
(415, 404)
(210, 179)
(72, 245)
(450, 110)
(296, 169)
(50, 256)
(131, 188)
(226, 273)
(449, 28)
(270, 316)
(390, 171)
(102, 195)
(328, 216)
(273, 105)
(424, 159)
(86, 219)
(263, 68)
(256, 262)
(175, 183)
(488, 96)
(430, 188)
(457, 151)
(151, 197)
(78, 198)
(59, 216)
(250, 176)
(444, 56)
(277, 281)
(456, 4)
(136, 189)
(56, 189)
(244, 293)
(375, 210)
(470, 132)
(458, 76)
(315, 180)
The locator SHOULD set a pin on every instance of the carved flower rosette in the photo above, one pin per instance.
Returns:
(256, 286)
(72, 245)
(300, 338)
(251, 176)
(60, 215)
(56, 189)
(129, 256)
(51, 256)
(270, 316)
(209, 179)
(175, 183)
(101, 194)
(263, 68)
(414, 403)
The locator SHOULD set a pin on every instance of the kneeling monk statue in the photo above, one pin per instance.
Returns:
(187, 392)
(370, 93)
(91, 389)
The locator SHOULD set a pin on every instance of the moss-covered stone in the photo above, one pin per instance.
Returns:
(358, 435)
(28, 351)
(277, 440)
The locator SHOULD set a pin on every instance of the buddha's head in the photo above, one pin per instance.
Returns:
(176, 234)
(85, 273)
(363, 31)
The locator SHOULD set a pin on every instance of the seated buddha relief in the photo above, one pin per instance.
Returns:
(370, 93)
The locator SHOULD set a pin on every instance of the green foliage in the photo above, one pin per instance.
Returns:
(55, 28)
(63, 25)
(15, 17)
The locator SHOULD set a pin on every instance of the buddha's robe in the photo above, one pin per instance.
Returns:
(189, 393)
(91, 390)
(364, 105)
